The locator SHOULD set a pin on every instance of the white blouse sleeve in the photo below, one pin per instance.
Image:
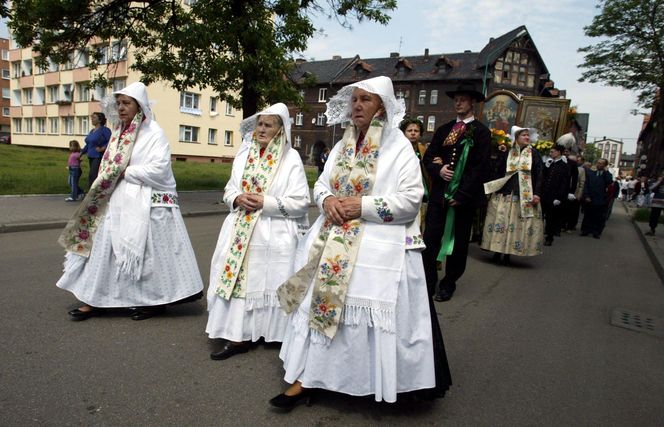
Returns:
(294, 202)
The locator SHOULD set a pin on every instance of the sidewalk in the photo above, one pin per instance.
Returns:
(40, 212)
(654, 245)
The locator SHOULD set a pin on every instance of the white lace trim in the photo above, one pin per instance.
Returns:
(339, 107)
(259, 300)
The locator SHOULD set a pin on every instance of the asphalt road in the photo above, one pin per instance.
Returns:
(528, 345)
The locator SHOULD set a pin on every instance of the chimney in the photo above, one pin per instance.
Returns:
(466, 51)
(491, 39)
(394, 54)
(426, 53)
(335, 57)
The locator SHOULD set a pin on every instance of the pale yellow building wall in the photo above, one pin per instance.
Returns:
(167, 110)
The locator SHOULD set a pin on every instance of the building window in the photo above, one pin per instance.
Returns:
(53, 125)
(100, 92)
(515, 69)
(41, 125)
(431, 124)
(83, 127)
(299, 118)
(213, 104)
(5, 55)
(102, 54)
(302, 94)
(66, 92)
(320, 119)
(212, 136)
(297, 142)
(188, 133)
(5, 111)
(40, 96)
(229, 109)
(420, 118)
(228, 138)
(119, 84)
(433, 100)
(16, 99)
(27, 67)
(52, 93)
(83, 92)
(17, 124)
(5, 73)
(68, 125)
(27, 96)
(16, 69)
(28, 125)
(190, 2)
(322, 94)
(52, 66)
(118, 51)
(190, 103)
(422, 99)
(5, 92)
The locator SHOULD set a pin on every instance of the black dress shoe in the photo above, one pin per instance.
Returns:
(230, 350)
(443, 295)
(77, 315)
(287, 403)
(142, 313)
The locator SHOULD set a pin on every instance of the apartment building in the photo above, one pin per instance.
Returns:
(611, 150)
(4, 84)
(51, 106)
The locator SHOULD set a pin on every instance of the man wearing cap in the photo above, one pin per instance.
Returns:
(458, 162)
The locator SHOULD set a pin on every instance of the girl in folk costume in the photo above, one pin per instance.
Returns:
(127, 245)
(360, 321)
(513, 224)
(269, 197)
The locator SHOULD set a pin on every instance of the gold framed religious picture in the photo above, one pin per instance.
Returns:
(499, 110)
(547, 115)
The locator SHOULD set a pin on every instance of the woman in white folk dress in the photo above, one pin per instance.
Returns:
(127, 245)
(269, 197)
(360, 319)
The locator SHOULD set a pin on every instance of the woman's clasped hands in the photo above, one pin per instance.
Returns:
(342, 209)
(249, 201)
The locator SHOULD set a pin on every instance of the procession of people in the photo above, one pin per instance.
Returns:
(350, 297)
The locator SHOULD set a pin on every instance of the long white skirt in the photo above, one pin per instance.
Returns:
(170, 272)
(363, 360)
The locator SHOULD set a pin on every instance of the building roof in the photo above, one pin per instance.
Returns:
(465, 65)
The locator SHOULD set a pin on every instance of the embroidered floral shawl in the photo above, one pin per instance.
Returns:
(518, 162)
(78, 235)
(333, 255)
(257, 177)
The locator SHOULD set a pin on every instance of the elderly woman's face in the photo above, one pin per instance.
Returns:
(127, 108)
(266, 128)
(364, 105)
(523, 138)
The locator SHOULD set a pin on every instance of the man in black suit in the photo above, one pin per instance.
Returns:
(456, 184)
(596, 194)
(555, 189)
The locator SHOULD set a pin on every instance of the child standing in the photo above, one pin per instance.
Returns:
(74, 165)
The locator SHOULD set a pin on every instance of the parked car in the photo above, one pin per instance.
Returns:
(5, 139)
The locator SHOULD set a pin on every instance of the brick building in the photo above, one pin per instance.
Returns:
(511, 62)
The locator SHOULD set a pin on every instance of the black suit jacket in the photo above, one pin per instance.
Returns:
(476, 172)
(556, 182)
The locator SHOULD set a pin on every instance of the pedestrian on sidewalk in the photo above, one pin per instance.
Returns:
(95, 144)
(74, 167)
(642, 192)
(127, 245)
(554, 190)
(656, 203)
(596, 197)
(268, 196)
(513, 224)
(457, 190)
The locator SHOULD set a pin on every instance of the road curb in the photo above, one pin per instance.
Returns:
(659, 269)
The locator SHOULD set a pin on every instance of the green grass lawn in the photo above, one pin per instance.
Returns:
(35, 170)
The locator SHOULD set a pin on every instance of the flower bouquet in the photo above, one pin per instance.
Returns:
(500, 140)
(543, 146)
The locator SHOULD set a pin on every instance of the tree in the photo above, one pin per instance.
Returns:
(591, 153)
(630, 53)
(243, 49)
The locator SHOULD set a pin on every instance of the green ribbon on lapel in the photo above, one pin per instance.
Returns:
(447, 244)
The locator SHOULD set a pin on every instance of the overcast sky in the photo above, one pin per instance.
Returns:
(448, 26)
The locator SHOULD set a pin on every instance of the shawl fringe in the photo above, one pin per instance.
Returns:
(259, 300)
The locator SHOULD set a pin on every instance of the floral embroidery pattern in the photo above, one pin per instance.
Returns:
(78, 235)
(383, 210)
(414, 241)
(323, 311)
(160, 198)
(256, 178)
(282, 208)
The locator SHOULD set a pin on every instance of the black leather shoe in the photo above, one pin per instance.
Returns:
(287, 403)
(443, 295)
(77, 315)
(230, 350)
(142, 313)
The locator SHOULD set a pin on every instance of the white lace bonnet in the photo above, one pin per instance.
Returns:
(248, 125)
(531, 131)
(138, 92)
(339, 106)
